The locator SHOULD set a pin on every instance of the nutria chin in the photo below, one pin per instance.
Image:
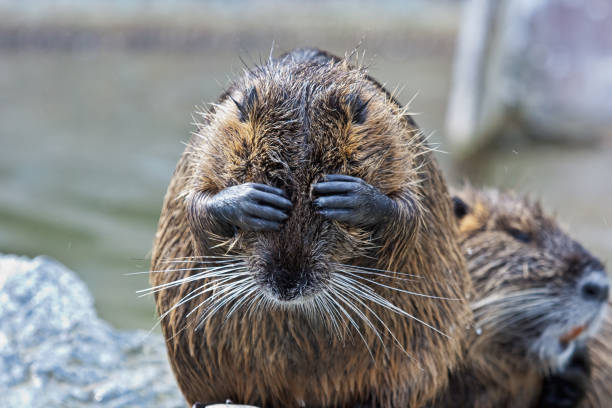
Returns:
(538, 295)
(296, 215)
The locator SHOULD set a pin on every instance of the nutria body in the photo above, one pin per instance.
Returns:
(302, 202)
(538, 295)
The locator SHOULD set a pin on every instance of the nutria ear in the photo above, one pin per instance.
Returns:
(460, 208)
(358, 108)
(247, 104)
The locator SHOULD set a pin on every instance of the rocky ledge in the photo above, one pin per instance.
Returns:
(56, 352)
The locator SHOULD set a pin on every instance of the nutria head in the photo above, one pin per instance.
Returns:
(537, 291)
(286, 125)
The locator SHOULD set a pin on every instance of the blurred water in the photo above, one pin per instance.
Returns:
(88, 142)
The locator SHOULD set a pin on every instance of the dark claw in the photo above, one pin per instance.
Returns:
(342, 177)
(339, 201)
(351, 200)
(269, 198)
(265, 212)
(330, 187)
(268, 189)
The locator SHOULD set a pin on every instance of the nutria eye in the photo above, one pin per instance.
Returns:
(460, 208)
(519, 235)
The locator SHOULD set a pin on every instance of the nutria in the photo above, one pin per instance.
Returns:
(538, 294)
(283, 261)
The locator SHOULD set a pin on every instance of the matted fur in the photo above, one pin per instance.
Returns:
(285, 124)
(520, 262)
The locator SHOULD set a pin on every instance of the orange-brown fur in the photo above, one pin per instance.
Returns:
(495, 372)
(278, 355)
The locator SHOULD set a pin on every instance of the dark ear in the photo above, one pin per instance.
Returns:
(247, 105)
(460, 208)
(358, 108)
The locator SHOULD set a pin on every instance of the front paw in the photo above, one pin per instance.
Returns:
(251, 207)
(567, 388)
(351, 200)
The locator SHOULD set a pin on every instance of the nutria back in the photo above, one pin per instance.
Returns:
(283, 261)
(538, 296)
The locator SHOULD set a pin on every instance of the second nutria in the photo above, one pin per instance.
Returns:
(538, 295)
(291, 233)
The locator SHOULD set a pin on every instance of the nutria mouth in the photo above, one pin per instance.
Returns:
(572, 335)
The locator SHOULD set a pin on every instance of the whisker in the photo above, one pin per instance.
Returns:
(210, 272)
(224, 300)
(222, 289)
(362, 316)
(241, 301)
(354, 324)
(213, 261)
(381, 321)
(363, 268)
(327, 308)
(207, 256)
(225, 265)
(376, 298)
(382, 274)
(191, 295)
(396, 289)
(184, 269)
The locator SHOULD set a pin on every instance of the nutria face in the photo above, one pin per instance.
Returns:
(538, 292)
(287, 125)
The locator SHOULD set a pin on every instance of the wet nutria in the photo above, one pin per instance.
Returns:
(288, 236)
(538, 295)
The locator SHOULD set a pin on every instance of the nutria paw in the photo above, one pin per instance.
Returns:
(250, 207)
(567, 388)
(352, 200)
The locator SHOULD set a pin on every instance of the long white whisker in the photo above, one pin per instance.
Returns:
(253, 290)
(376, 298)
(355, 325)
(219, 291)
(357, 298)
(361, 315)
(219, 271)
(396, 289)
(364, 268)
(191, 295)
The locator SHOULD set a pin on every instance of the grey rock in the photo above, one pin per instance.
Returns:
(55, 351)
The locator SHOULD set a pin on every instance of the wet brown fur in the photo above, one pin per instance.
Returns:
(285, 124)
(599, 389)
(497, 371)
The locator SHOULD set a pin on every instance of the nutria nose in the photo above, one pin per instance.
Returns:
(595, 287)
